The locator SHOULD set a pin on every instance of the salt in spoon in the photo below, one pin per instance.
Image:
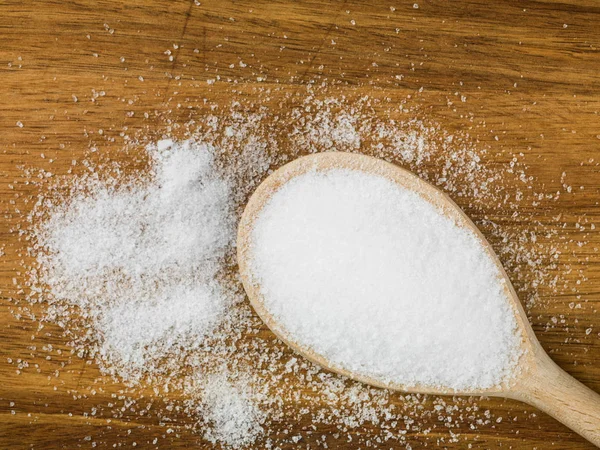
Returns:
(537, 380)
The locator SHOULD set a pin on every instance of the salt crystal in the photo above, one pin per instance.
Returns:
(141, 260)
(379, 282)
(229, 408)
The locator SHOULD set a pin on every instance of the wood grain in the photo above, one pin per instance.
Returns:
(552, 390)
(528, 72)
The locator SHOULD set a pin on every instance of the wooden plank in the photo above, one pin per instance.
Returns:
(528, 72)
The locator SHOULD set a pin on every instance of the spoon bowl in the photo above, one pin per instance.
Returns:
(537, 379)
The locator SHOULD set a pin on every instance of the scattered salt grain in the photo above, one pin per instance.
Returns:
(149, 250)
(380, 283)
(229, 407)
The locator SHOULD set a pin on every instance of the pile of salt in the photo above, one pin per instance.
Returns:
(379, 282)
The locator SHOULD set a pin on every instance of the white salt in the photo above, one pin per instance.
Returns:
(231, 412)
(375, 279)
(140, 329)
(141, 260)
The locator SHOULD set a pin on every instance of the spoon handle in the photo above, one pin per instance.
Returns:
(558, 394)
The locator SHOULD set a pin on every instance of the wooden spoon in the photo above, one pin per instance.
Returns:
(537, 381)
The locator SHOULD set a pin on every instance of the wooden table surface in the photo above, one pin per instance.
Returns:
(529, 75)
